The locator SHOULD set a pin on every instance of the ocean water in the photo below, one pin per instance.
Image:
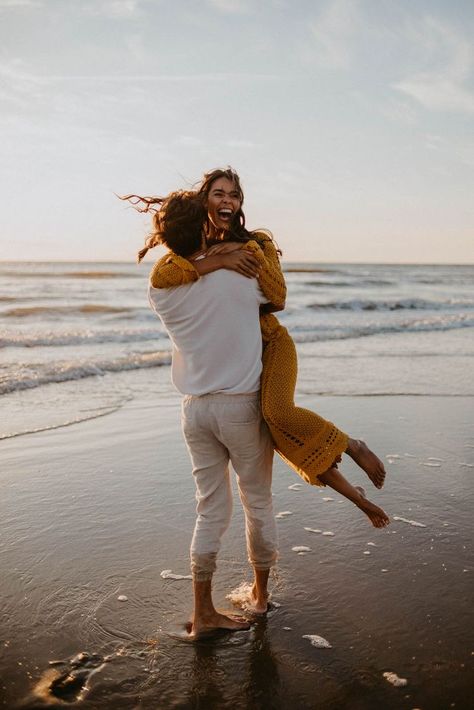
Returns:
(94, 513)
(76, 338)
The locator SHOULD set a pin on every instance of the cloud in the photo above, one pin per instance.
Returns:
(115, 9)
(333, 31)
(399, 111)
(18, 78)
(442, 88)
(231, 7)
(189, 141)
(18, 86)
(236, 143)
(12, 4)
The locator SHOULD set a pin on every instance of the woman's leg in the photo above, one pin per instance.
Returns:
(356, 494)
(367, 460)
(306, 441)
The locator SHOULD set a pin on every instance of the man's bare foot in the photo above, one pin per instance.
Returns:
(377, 516)
(215, 622)
(257, 603)
(367, 460)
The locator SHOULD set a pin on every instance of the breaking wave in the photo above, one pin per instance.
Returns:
(65, 371)
(302, 334)
(48, 338)
(413, 304)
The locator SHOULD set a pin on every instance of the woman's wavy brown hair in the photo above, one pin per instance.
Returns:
(178, 221)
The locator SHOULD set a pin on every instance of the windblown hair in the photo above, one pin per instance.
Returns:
(178, 221)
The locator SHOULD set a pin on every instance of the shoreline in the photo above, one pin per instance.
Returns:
(100, 510)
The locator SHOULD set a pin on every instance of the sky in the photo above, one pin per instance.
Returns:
(350, 122)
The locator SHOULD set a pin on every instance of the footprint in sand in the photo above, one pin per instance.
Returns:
(68, 684)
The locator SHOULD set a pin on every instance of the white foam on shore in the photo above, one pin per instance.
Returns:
(283, 514)
(384, 570)
(241, 596)
(366, 552)
(327, 499)
(413, 523)
(168, 574)
(313, 530)
(328, 533)
(301, 548)
(410, 456)
(393, 456)
(372, 544)
(295, 486)
(430, 463)
(467, 465)
(317, 641)
(434, 458)
(395, 680)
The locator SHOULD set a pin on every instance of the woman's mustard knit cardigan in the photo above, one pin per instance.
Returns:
(307, 442)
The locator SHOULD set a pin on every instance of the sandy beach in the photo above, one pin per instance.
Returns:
(99, 510)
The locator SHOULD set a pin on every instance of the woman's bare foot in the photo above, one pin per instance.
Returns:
(377, 516)
(367, 460)
(215, 622)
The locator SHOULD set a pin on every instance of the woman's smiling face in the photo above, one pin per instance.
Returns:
(223, 202)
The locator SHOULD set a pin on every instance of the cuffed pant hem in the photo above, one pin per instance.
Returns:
(202, 576)
(264, 565)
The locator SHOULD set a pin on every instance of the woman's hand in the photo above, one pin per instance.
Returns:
(241, 261)
(225, 248)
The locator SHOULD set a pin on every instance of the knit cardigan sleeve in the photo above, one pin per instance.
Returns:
(172, 270)
(271, 279)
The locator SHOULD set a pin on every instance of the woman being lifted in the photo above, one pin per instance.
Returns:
(216, 238)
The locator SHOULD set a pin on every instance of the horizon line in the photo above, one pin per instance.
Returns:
(284, 263)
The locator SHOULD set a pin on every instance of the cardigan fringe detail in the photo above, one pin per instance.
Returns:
(308, 443)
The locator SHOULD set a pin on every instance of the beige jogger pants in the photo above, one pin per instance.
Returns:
(219, 428)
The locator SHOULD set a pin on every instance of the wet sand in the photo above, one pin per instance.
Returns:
(99, 510)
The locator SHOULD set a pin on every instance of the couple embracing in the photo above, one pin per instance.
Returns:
(215, 291)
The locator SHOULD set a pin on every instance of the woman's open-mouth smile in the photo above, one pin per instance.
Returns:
(225, 214)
